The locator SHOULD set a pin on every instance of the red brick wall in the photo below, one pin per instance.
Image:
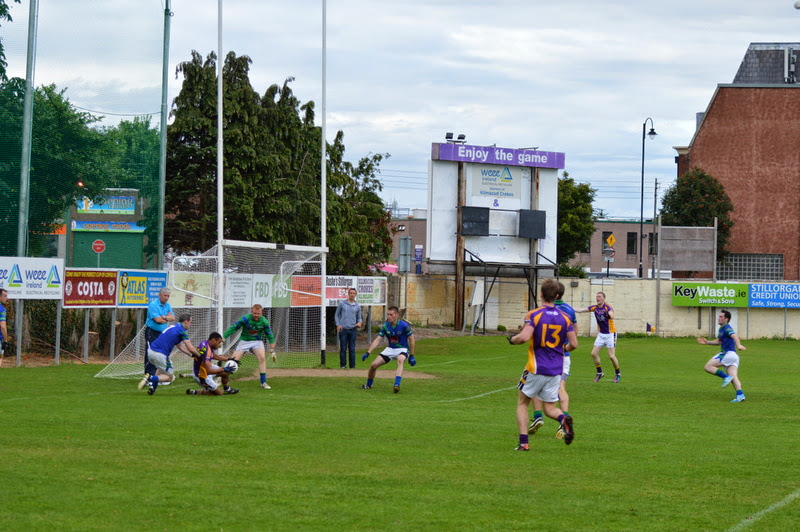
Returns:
(750, 141)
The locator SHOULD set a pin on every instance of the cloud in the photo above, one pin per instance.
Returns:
(575, 76)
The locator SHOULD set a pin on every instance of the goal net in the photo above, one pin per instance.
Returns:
(285, 280)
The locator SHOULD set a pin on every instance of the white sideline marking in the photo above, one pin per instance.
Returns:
(747, 521)
(474, 396)
(462, 360)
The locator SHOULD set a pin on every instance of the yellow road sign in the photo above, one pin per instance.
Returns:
(611, 240)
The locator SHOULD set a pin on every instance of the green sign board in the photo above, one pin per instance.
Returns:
(710, 294)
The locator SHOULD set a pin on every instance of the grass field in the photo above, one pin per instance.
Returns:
(662, 450)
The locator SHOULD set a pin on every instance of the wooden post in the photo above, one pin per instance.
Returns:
(458, 313)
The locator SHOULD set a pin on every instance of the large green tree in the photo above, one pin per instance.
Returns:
(5, 15)
(69, 159)
(694, 200)
(575, 218)
(271, 172)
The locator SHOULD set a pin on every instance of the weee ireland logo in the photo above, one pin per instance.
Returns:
(15, 279)
(53, 280)
(506, 176)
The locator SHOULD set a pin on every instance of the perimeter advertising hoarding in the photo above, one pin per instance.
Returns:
(756, 295)
(85, 288)
(29, 278)
(137, 288)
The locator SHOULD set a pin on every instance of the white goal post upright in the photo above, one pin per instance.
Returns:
(323, 201)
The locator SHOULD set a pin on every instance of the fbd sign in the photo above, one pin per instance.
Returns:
(30, 278)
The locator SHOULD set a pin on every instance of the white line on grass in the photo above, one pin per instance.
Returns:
(470, 360)
(747, 521)
(474, 396)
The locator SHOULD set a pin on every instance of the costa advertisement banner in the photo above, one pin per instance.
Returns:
(85, 288)
(29, 278)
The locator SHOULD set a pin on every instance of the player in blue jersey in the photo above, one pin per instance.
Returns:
(401, 347)
(563, 396)
(727, 358)
(547, 330)
(204, 371)
(3, 326)
(158, 352)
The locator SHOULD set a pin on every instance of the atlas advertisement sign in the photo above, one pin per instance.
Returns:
(85, 288)
(743, 295)
(137, 288)
(29, 278)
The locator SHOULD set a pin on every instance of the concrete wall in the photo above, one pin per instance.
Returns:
(429, 300)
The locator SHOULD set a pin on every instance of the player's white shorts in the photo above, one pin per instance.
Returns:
(608, 340)
(250, 345)
(728, 358)
(567, 364)
(391, 353)
(160, 360)
(545, 387)
(208, 383)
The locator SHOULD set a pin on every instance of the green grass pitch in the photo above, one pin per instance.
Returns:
(662, 450)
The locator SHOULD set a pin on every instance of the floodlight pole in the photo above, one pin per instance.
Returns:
(652, 133)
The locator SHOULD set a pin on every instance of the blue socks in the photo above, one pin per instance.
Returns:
(369, 382)
(397, 381)
(263, 378)
(721, 374)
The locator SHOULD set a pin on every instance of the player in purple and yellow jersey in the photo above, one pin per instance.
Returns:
(727, 358)
(563, 396)
(401, 347)
(204, 371)
(547, 330)
(606, 335)
(158, 352)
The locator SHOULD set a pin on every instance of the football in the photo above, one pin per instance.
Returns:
(231, 366)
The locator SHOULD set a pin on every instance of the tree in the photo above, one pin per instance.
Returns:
(575, 218)
(69, 159)
(5, 14)
(271, 172)
(694, 200)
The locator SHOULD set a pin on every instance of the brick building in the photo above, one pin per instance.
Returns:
(749, 139)
(411, 223)
(625, 249)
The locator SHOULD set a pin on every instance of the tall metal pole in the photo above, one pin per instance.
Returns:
(25, 163)
(220, 175)
(162, 168)
(652, 134)
(323, 201)
(27, 133)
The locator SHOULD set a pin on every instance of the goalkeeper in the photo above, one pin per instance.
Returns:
(401, 347)
(255, 329)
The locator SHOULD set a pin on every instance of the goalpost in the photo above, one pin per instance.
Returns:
(285, 280)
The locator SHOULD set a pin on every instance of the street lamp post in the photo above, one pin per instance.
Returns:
(652, 133)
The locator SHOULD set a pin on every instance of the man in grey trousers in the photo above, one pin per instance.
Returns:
(348, 321)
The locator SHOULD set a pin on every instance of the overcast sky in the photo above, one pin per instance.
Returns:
(574, 76)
